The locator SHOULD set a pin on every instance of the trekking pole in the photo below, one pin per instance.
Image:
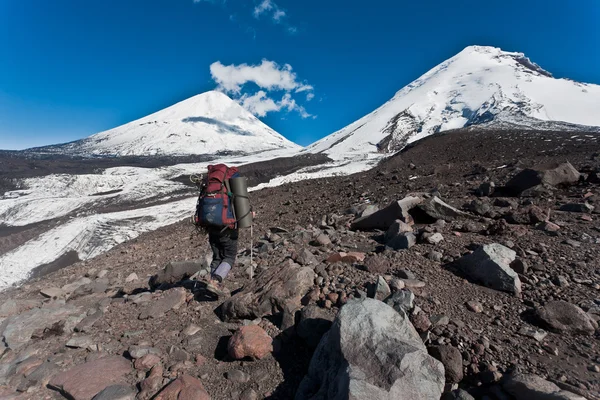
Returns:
(251, 253)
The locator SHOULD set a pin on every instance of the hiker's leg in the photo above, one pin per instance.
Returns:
(228, 243)
(214, 240)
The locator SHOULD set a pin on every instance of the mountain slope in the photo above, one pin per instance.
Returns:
(209, 123)
(479, 86)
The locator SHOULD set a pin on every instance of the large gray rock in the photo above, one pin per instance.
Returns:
(490, 265)
(16, 331)
(402, 301)
(372, 352)
(177, 271)
(551, 175)
(83, 382)
(402, 241)
(384, 218)
(271, 292)
(438, 209)
(452, 359)
(562, 317)
(172, 298)
(533, 387)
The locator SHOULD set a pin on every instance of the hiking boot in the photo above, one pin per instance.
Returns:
(217, 288)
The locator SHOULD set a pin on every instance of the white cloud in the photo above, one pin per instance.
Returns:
(268, 76)
(260, 104)
(262, 7)
(278, 15)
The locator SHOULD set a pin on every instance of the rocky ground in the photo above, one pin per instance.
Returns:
(496, 278)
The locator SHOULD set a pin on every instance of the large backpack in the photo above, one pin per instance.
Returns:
(214, 207)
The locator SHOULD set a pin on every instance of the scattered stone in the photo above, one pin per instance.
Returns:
(519, 266)
(250, 341)
(117, 392)
(577, 207)
(490, 265)
(372, 352)
(176, 271)
(131, 277)
(402, 241)
(146, 362)
(249, 394)
(451, 358)
(413, 283)
(552, 175)
(172, 298)
(384, 218)
(305, 258)
(377, 264)
(437, 209)
(81, 342)
(486, 189)
(74, 286)
(183, 388)
(474, 306)
(17, 330)
(530, 386)
(87, 380)
(190, 330)
(270, 293)
(237, 376)
(402, 301)
(353, 257)
(52, 293)
(432, 238)
(536, 334)
(152, 383)
(397, 284)
(88, 322)
(562, 317)
(548, 226)
(322, 240)
(381, 290)
(397, 228)
(439, 320)
(435, 256)
(136, 352)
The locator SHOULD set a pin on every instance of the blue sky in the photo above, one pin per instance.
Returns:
(71, 68)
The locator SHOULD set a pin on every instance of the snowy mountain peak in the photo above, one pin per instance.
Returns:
(481, 85)
(208, 123)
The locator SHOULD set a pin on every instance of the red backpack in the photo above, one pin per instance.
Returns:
(214, 207)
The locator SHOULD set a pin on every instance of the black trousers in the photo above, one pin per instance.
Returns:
(224, 245)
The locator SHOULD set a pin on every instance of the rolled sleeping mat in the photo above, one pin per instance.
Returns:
(241, 202)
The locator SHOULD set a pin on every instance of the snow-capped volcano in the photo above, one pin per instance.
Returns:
(209, 123)
(479, 86)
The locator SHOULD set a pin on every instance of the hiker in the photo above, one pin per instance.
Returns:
(215, 213)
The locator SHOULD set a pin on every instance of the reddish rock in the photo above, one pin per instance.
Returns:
(200, 360)
(250, 341)
(335, 257)
(353, 257)
(377, 265)
(421, 322)
(146, 362)
(333, 297)
(184, 388)
(152, 383)
(85, 381)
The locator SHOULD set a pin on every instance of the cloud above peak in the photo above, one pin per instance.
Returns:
(268, 76)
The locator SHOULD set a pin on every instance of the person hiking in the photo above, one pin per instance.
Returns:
(215, 212)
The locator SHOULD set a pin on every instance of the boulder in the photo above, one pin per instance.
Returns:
(452, 359)
(562, 317)
(305, 257)
(176, 271)
(250, 342)
(384, 218)
(372, 352)
(117, 392)
(83, 382)
(490, 265)
(437, 209)
(577, 207)
(172, 298)
(402, 301)
(402, 241)
(16, 331)
(314, 323)
(551, 175)
(534, 387)
(397, 228)
(270, 293)
(184, 388)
